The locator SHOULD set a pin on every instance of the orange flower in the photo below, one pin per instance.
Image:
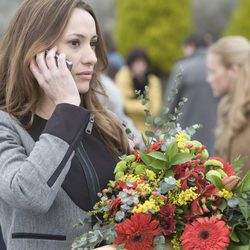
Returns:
(137, 232)
(206, 234)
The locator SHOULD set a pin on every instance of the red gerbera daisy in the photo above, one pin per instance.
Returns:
(137, 232)
(206, 234)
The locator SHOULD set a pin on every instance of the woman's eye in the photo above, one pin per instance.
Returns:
(94, 44)
(75, 43)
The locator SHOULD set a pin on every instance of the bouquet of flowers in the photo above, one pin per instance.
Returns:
(172, 192)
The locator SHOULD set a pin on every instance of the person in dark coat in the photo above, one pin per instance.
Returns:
(201, 105)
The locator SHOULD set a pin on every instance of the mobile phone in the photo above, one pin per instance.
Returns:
(68, 63)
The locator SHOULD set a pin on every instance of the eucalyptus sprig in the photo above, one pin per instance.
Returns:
(92, 238)
(166, 123)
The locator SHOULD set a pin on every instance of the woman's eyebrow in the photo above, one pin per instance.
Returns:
(82, 36)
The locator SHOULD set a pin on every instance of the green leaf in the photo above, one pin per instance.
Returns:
(222, 206)
(159, 242)
(157, 164)
(238, 247)
(169, 173)
(120, 247)
(233, 235)
(214, 179)
(150, 134)
(145, 140)
(157, 155)
(244, 237)
(171, 117)
(181, 158)
(172, 150)
(160, 247)
(244, 208)
(145, 158)
(149, 121)
(245, 183)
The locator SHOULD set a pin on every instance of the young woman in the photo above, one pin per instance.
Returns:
(228, 65)
(135, 77)
(58, 146)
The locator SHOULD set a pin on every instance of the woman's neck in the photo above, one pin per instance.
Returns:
(45, 107)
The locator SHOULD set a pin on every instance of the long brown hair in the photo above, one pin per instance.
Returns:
(38, 25)
(234, 107)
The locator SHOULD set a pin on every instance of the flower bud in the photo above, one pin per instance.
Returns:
(203, 200)
(204, 153)
(130, 158)
(214, 208)
(230, 182)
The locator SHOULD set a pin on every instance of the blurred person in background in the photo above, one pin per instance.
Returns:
(201, 105)
(228, 63)
(135, 76)
(115, 59)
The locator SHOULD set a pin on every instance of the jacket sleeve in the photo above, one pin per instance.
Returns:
(32, 181)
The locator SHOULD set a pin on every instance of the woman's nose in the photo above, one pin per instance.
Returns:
(89, 56)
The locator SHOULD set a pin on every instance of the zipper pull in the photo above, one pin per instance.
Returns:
(90, 124)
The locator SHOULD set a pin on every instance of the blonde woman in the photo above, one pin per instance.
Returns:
(58, 146)
(228, 65)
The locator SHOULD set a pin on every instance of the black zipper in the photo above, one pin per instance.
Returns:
(38, 236)
(88, 168)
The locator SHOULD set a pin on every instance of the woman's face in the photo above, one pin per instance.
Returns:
(78, 43)
(139, 68)
(218, 76)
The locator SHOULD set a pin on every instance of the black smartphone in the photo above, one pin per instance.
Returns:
(68, 63)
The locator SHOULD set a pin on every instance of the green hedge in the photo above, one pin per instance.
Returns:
(239, 24)
(159, 26)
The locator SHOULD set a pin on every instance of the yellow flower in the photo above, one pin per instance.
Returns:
(131, 178)
(176, 243)
(225, 194)
(105, 215)
(150, 174)
(182, 141)
(183, 197)
(145, 187)
(152, 205)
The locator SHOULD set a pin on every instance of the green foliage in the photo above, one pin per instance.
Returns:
(158, 26)
(239, 24)
(90, 239)
(164, 161)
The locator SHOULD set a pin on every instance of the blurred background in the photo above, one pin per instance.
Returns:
(160, 26)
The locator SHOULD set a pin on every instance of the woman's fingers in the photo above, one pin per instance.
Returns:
(50, 59)
(36, 72)
(41, 63)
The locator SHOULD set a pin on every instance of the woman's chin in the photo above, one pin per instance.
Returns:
(83, 88)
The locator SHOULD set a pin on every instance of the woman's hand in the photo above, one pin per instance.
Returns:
(56, 81)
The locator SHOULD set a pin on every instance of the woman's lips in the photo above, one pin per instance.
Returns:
(86, 75)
